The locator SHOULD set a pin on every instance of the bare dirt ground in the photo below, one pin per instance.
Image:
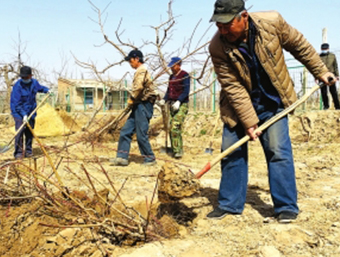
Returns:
(29, 227)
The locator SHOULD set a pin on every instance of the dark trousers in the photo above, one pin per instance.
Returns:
(19, 139)
(334, 93)
(138, 122)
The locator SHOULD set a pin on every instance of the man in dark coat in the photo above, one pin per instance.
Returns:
(330, 60)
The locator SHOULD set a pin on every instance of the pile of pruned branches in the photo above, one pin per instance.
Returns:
(98, 207)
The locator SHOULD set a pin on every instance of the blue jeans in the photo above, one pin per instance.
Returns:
(277, 147)
(138, 122)
(19, 139)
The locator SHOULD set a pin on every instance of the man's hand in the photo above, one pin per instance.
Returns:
(176, 105)
(325, 78)
(24, 119)
(161, 102)
(251, 132)
(130, 102)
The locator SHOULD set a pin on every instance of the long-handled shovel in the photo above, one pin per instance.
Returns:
(210, 150)
(114, 123)
(165, 114)
(7, 147)
(265, 125)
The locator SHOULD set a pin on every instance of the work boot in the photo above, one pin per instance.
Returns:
(286, 217)
(178, 155)
(29, 155)
(218, 214)
(119, 162)
(152, 163)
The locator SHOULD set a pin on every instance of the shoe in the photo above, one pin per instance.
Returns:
(286, 217)
(152, 163)
(119, 162)
(18, 157)
(218, 214)
(29, 155)
(178, 155)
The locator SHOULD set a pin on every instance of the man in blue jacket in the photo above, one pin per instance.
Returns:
(23, 102)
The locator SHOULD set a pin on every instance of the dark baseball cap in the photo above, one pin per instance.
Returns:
(325, 46)
(134, 54)
(226, 10)
(174, 60)
(25, 71)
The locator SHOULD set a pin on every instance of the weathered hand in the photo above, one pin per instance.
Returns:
(130, 102)
(251, 132)
(326, 78)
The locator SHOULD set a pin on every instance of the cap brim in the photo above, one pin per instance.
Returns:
(171, 64)
(24, 75)
(222, 18)
(127, 58)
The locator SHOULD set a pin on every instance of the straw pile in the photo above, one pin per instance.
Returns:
(50, 122)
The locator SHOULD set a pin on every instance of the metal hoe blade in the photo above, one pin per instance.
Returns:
(166, 150)
(209, 150)
(4, 149)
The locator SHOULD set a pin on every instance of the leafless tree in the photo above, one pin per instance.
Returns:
(158, 57)
(9, 72)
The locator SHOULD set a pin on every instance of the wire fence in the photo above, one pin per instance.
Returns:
(207, 100)
(203, 97)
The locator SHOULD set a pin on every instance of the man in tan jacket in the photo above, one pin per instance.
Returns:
(247, 53)
(141, 101)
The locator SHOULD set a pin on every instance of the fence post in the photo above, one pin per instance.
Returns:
(68, 100)
(84, 99)
(304, 85)
(320, 102)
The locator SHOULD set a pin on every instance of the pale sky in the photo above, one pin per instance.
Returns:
(51, 29)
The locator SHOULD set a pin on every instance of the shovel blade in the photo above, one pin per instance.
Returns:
(209, 150)
(166, 150)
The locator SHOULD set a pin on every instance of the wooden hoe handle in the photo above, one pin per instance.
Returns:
(265, 125)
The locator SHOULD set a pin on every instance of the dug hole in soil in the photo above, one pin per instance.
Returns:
(107, 217)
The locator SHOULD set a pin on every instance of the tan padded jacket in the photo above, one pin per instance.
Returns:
(143, 89)
(273, 35)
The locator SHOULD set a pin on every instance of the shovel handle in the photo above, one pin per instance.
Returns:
(165, 116)
(119, 117)
(261, 128)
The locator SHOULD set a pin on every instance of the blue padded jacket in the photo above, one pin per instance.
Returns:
(23, 96)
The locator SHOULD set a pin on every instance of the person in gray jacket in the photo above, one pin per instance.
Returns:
(330, 61)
